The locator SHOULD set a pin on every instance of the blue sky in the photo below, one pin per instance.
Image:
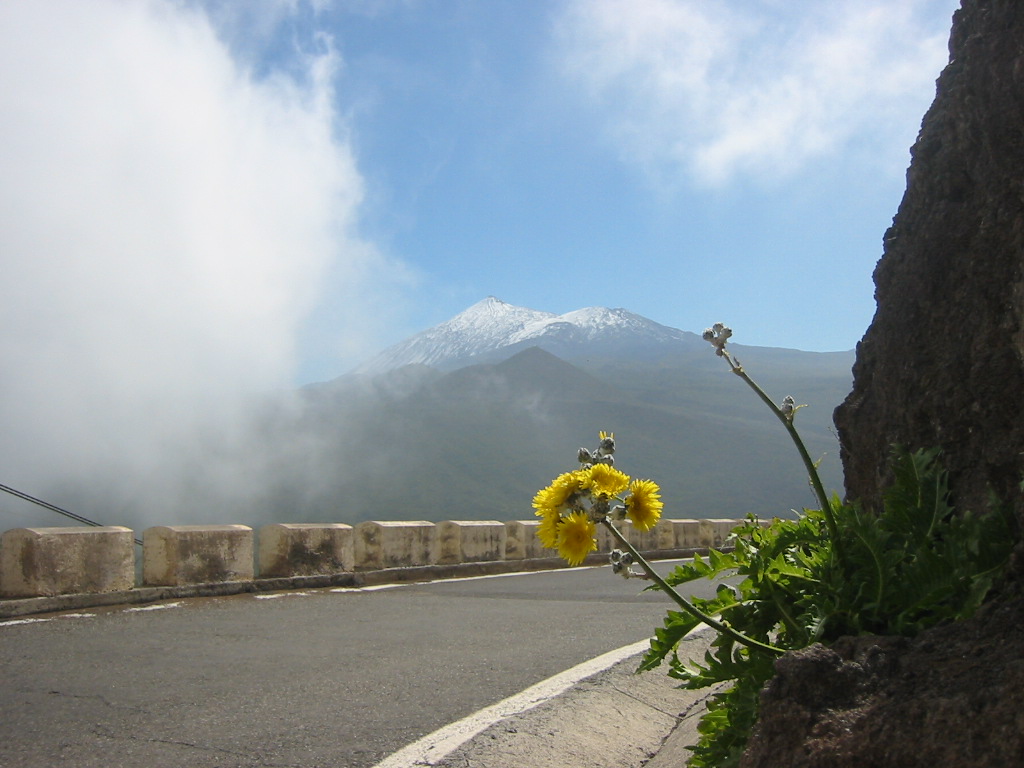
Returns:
(205, 199)
(685, 160)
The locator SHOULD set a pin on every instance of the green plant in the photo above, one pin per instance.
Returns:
(834, 571)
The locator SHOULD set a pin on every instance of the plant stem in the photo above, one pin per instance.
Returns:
(685, 604)
(812, 471)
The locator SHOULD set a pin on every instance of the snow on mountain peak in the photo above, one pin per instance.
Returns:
(492, 324)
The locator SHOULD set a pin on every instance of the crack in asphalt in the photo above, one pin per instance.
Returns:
(97, 697)
(255, 761)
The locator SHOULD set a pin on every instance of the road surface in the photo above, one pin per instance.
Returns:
(338, 678)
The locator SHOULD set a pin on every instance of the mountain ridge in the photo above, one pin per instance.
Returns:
(492, 330)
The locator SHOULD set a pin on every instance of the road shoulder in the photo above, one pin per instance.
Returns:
(615, 717)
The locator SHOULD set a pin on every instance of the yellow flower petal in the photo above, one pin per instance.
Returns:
(576, 538)
(547, 532)
(606, 481)
(644, 504)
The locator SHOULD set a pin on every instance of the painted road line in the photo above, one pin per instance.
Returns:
(15, 622)
(276, 595)
(371, 588)
(436, 746)
(23, 621)
(160, 607)
(377, 587)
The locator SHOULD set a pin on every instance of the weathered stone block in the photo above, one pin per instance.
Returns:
(644, 541)
(39, 562)
(717, 531)
(395, 544)
(176, 555)
(470, 541)
(305, 549)
(521, 542)
(605, 541)
(678, 534)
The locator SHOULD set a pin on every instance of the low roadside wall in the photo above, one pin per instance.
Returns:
(99, 564)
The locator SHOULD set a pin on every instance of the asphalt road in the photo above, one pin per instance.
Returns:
(324, 678)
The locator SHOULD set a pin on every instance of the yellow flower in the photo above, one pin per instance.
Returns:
(644, 504)
(576, 538)
(605, 481)
(542, 506)
(547, 531)
(559, 494)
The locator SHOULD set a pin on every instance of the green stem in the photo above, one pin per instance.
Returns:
(812, 471)
(685, 604)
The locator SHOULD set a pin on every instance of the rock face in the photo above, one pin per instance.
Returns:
(941, 365)
(943, 361)
(949, 698)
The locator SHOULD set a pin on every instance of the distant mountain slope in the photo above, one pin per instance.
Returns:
(469, 418)
(478, 441)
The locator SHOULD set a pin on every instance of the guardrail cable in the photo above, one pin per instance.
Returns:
(53, 508)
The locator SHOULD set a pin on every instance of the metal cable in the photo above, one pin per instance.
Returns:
(53, 508)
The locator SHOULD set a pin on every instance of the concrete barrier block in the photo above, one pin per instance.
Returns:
(721, 530)
(672, 534)
(666, 529)
(42, 562)
(605, 541)
(689, 533)
(521, 542)
(705, 533)
(644, 541)
(470, 541)
(395, 544)
(176, 555)
(287, 550)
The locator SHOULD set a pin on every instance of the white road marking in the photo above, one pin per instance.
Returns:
(160, 607)
(436, 746)
(371, 588)
(23, 621)
(376, 587)
(14, 622)
(282, 594)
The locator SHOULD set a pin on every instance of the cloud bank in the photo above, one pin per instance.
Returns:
(715, 92)
(167, 222)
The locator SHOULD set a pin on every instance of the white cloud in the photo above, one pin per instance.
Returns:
(167, 222)
(719, 90)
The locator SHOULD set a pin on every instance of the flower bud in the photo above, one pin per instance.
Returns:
(717, 335)
(788, 407)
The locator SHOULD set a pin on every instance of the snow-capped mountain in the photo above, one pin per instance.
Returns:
(492, 330)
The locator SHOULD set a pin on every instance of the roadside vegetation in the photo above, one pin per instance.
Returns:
(833, 571)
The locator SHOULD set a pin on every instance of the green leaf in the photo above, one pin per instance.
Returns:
(677, 624)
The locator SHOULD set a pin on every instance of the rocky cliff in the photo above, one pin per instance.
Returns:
(941, 365)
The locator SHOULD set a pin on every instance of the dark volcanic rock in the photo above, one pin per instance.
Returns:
(943, 361)
(949, 698)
